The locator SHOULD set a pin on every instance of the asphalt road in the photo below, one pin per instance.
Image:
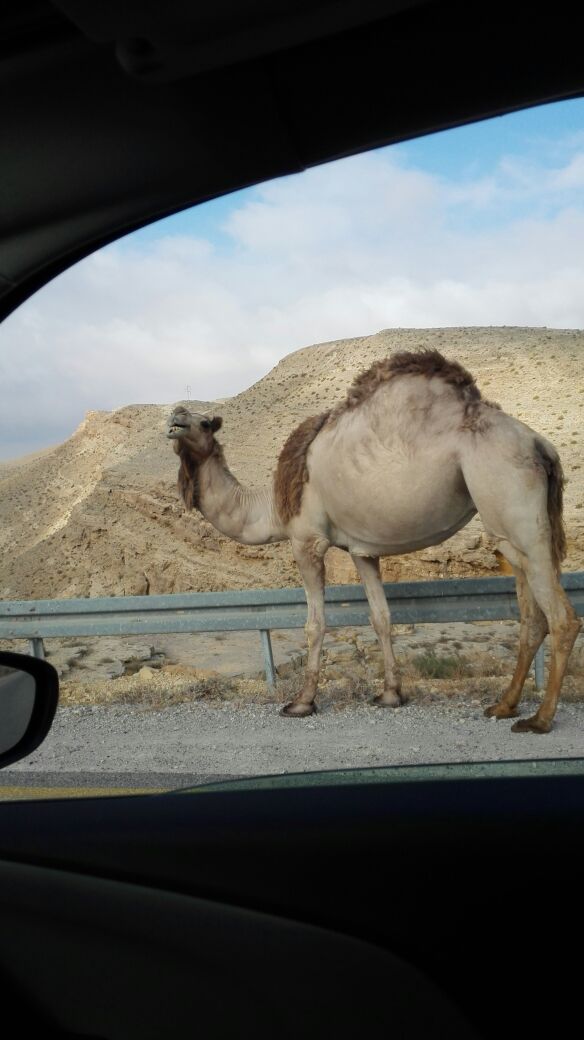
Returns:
(15, 784)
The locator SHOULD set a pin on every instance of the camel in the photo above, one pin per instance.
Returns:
(404, 462)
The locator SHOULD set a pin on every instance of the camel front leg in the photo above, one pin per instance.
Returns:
(309, 556)
(370, 574)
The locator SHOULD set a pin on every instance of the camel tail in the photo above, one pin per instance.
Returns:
(555, 499)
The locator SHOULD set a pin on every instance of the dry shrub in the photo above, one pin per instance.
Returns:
(431, 665)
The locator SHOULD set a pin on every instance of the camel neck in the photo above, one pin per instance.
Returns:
(247, 515)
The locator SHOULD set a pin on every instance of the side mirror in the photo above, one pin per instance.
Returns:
(29, 693)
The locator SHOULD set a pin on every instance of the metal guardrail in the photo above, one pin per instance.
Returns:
(262, 610)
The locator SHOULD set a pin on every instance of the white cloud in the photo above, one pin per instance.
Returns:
(343, 250)
(518, 181)
(352, 199)
(572, 175)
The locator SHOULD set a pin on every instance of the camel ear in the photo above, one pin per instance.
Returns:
(216, 423)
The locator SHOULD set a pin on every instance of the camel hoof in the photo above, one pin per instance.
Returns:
(388, 699)
(294, 710)
(500, 711)
(532, 725)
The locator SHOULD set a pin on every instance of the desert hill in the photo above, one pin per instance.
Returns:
(99, 514)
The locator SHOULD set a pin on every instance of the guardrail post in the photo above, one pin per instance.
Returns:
(37, 648)
(268, 658)
(538, 669)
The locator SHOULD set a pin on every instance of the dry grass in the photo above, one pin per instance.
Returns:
(433, 666)
(174, 685)
(148, 687)
(425, 677)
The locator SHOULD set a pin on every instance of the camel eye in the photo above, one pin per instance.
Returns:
(205, 424)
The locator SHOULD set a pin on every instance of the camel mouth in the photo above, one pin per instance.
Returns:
(176, 430)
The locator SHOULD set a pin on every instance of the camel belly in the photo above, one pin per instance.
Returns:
(384, 546)
(396, 510)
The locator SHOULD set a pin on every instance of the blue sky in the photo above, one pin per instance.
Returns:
(481, 225)
(539, 134)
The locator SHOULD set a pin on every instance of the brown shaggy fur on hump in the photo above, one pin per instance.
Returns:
(427, 363)
(292, 472)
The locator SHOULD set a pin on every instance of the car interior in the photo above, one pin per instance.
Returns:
(412, 907)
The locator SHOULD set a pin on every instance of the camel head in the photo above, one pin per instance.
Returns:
(193, 431)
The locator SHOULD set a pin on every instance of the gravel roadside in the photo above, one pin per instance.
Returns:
(221, 738)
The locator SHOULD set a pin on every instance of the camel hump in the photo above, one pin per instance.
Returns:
(292, 470)
(428, 363)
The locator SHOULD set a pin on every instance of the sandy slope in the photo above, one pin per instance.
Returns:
(99, 515)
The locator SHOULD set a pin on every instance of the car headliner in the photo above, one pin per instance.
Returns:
(119, 114)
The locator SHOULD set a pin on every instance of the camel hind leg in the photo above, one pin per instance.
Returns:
(512, 500)
(564, 627)
(533, 630)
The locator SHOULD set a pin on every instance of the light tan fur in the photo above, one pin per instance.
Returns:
(403, 463)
